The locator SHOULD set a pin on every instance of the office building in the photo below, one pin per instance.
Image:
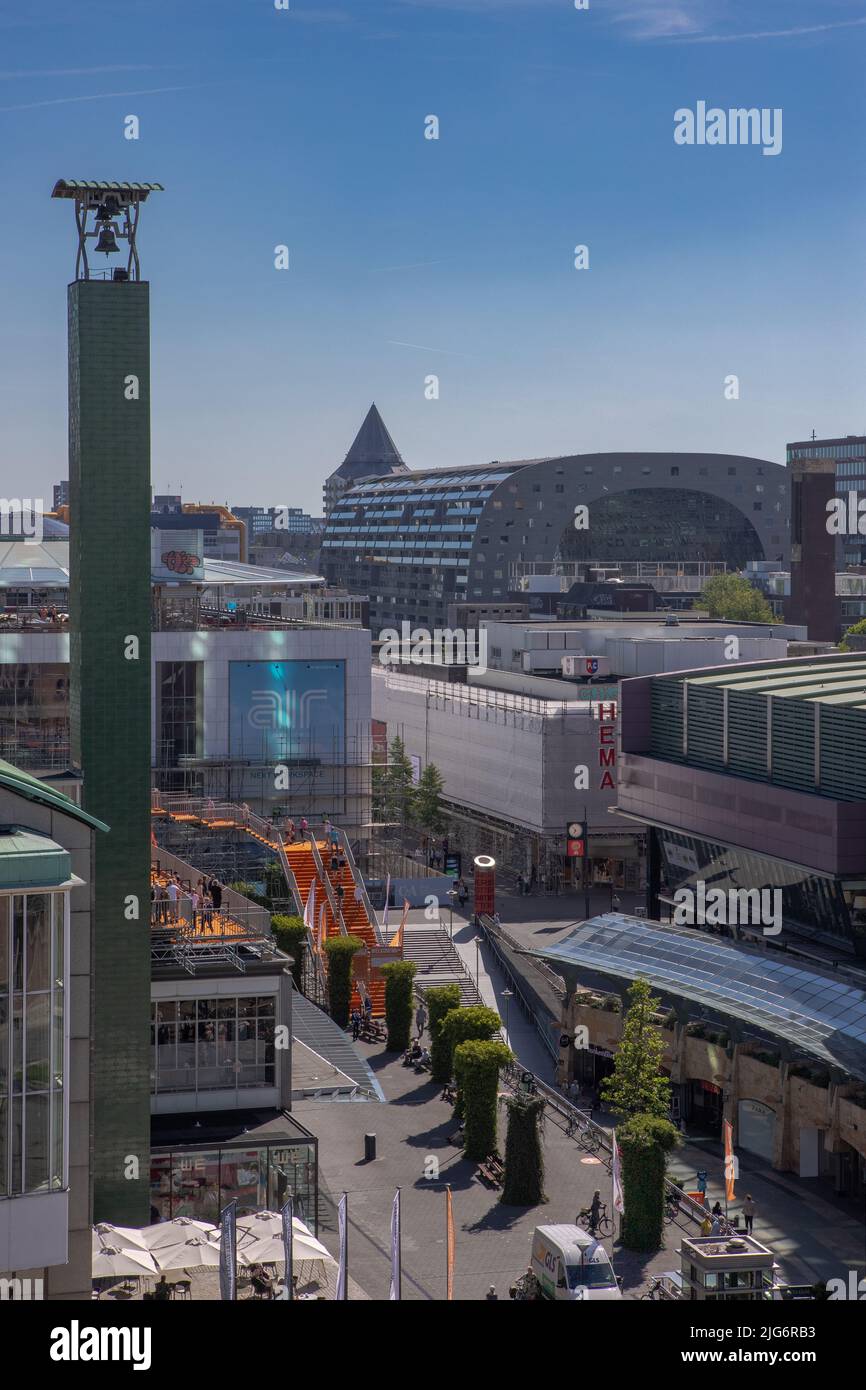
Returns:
(754, 777)
(47, 859)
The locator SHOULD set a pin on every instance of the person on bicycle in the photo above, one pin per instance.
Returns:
(593, 1212)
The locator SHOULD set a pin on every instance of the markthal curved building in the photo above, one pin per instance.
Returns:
(419, 542)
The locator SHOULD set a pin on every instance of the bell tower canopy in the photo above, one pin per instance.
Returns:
(104, 213)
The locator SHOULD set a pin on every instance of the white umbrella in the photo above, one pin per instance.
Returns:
(166, 1233)
(269, 1250)
(111, 1263)
(196, 1253)
(119, 1237)
(270, 1223)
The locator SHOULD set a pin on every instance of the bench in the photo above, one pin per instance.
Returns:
(449, 1094)
(492, 1171)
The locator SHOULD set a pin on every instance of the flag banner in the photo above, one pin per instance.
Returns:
(228, 1252)
(287, 1214)
(310, 909)
(394, 1292)
(387, 896)
(449, 1245)
(730, 1161)
(616, 1174)
(343, 1228)
(397, 938)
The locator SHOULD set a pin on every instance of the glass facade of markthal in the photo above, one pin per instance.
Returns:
(754, 777)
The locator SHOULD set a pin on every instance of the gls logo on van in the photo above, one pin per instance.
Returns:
(77, 1343)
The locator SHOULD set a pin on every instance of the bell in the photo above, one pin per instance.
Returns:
(107, 242)
(106, 210)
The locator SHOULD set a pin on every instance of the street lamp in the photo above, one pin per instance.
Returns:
(478, 942)
(452, 893)
(507, 995)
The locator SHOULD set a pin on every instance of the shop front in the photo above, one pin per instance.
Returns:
(258, 1167)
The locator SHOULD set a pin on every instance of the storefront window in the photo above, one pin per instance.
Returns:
(199, 1183)
(32, 1041)
(213, 1044)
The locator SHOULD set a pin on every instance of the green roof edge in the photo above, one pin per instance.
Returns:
(34, 790)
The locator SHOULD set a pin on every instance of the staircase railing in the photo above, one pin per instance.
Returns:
(358, 880)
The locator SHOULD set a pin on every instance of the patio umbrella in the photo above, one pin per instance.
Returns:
(166, 1233)
(195, 1253)
(111, 1263)
(270, 1223)
(119, 1237)
(269, 1249)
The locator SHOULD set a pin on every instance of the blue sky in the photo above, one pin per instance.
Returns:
(455, 257)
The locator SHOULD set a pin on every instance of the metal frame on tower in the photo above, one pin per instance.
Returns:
(109, 203)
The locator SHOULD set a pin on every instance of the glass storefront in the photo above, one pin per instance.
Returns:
(213, 1044)
(811, 903)
(32, 1042)
(259, 1177)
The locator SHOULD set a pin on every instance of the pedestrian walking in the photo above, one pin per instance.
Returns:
(420, 1019)
(173, 893)
(216, 892)
(492, 1296)
(305, 825)
(356, 1025)
(749, 1212)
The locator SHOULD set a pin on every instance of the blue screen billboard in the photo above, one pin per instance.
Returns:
(285, 710)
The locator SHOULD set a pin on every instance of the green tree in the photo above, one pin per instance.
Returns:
(427, 810)
(734, 599)
(637, 1085)
(644, 1143)
(340, 951)
(393, 785)
(856, 630)
(399, 977)
(475, 1023)
(440, 1000)
(524, 1156)
(477, 1066)
(290, 935)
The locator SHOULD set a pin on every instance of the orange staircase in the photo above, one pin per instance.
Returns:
(300, 857)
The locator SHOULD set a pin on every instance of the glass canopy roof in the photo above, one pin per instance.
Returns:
(821, 1014)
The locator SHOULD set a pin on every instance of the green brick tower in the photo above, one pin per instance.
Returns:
(109, 481)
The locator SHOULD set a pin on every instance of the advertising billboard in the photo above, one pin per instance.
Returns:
(283, 711)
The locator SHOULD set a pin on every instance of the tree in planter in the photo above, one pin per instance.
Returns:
(341, 951)
(477, 1066)
(399, 977)
(474, 1023)
(637, 1085)
(290, 935)
(644, 1143)
(440, 1000)
(524, 1157)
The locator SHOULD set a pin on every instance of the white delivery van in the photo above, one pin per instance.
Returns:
(570, 1263)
